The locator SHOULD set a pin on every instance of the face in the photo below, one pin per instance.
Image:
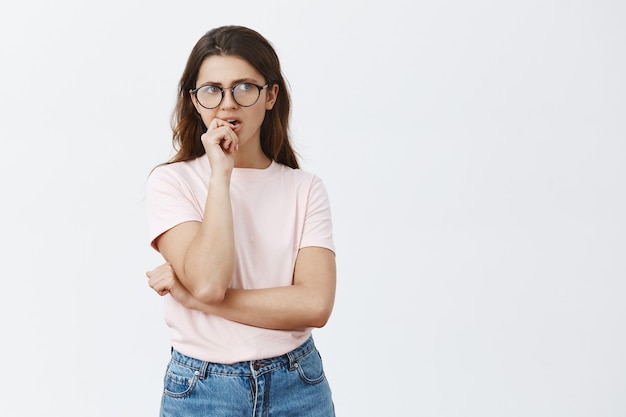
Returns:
(225, 72)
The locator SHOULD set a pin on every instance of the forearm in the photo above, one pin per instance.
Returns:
(281, 308)
(209, 260)
(306, 303)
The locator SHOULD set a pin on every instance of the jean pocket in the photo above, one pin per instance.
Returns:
(179, 380)
(310, 368)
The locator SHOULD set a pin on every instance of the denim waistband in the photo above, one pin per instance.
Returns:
(246, 368)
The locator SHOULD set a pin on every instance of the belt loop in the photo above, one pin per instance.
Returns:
(292, 360)
(203, 370)
(299, 352)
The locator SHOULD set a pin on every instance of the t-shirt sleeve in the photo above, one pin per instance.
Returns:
(318, 228)
(169, 203)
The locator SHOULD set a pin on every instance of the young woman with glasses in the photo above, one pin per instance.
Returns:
(247, 240)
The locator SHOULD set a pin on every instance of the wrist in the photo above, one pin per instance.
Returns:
(220, 178)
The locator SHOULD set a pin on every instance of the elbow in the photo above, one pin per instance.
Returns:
(210, 295)
(320, 315)
(209, 289)
(318, 308)
(320, 322)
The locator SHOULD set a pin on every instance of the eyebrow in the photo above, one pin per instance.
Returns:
(234, 82)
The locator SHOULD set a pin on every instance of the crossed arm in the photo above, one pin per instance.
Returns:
(308, 302)
(200, 260)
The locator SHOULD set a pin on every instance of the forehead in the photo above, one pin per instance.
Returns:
(224, 69)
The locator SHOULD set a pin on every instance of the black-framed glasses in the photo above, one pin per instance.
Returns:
(245, 94)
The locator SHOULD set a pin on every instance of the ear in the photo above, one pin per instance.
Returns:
(194, 101)
(272, 95)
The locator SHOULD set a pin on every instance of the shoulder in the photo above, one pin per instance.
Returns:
(308, 185)
(177, 172)
(297, 175)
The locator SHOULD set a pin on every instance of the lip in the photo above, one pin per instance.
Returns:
(234, 122)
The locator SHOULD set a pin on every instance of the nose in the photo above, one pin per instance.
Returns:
(228, 101)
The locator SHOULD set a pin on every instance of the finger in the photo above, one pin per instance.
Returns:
(217, 136)
(160, 289)
(226, 143)
(232, 142)
(217, 123)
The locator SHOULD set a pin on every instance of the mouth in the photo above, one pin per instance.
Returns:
(234, 122)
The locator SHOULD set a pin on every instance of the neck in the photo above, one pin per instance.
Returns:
(252, 161)
(250, 155)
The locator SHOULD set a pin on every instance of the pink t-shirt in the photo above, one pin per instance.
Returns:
(276, 211)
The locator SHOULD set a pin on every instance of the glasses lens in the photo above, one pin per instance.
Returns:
(209, 96)
(246, 94)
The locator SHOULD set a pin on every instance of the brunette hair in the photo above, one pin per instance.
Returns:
(187, 126)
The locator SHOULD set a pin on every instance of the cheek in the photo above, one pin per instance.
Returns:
(259, 117)
(206, 117)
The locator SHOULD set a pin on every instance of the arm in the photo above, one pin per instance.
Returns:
(203, 253)
(306, 303)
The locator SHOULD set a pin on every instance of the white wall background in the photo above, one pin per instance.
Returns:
(474, 152)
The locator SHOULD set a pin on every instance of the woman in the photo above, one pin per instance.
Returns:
(247, 240)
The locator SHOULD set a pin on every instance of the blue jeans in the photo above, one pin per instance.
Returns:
(293, 384)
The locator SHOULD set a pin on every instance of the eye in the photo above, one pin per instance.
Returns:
(244, 86)
(211, 89)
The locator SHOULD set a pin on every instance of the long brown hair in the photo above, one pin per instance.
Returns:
(187, 126)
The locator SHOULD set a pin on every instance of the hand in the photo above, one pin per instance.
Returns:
(163, 280)
(220, 142)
